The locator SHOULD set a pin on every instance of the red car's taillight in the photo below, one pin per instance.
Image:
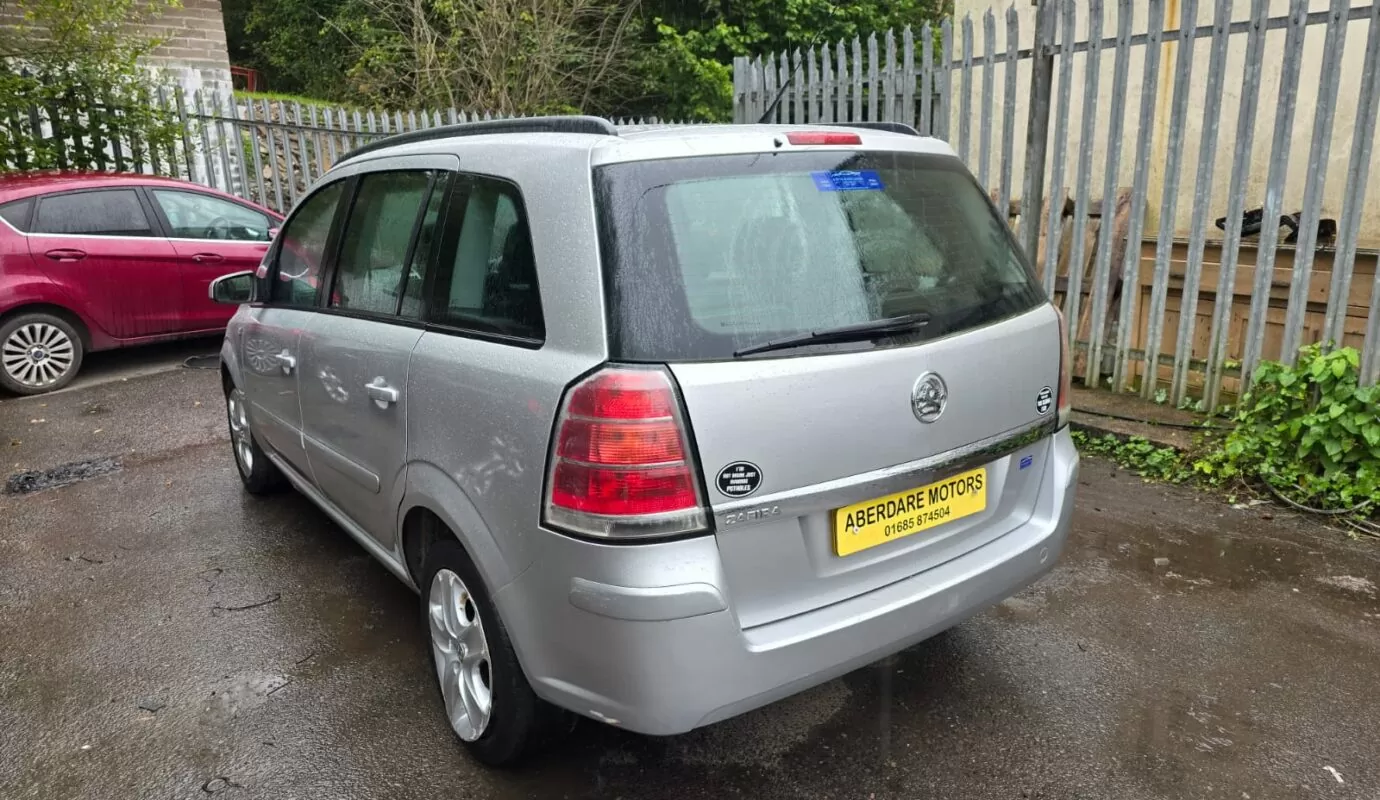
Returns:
(621, 464)
(1065, 372)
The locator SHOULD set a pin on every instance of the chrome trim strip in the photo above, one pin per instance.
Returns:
(38, 235)
(745, 513)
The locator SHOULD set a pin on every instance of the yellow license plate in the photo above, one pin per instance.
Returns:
(858, 527)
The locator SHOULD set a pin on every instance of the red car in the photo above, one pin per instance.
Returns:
(93, 261)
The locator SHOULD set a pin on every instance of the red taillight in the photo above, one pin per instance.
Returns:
(621, 443)
(1065, 372)
(624, 395)
(622, 492)
(621, 463)
(823, 137)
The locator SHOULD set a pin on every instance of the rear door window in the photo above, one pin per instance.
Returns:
(375, 243)
(428, 240)
(193, 215)
(706, 256)
(110, 212)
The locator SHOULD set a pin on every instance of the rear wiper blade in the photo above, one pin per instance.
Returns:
(856, 332)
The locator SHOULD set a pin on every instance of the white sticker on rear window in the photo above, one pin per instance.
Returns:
(848, 181)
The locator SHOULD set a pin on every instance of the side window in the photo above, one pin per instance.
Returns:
(111, 212)
(192, 215)
(303, 248)
(490, 284)
(18, 213)
(373, 250)
(427, 240)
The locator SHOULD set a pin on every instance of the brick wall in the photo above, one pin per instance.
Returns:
(194, 54)
(196, 44)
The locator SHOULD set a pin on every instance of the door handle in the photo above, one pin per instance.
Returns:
(287, 361)
(208, 258)
(381, 393)
(66, 254)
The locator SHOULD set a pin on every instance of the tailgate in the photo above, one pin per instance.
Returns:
(847, 325)
(828, 432)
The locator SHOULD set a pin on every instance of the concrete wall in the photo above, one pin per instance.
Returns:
(1228, 137)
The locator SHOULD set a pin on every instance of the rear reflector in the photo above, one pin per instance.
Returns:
(621, 465)
(823, 137)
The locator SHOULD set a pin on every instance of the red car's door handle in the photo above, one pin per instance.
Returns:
(66, 254)
(208, 258)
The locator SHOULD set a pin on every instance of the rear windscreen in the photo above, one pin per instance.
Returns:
(706, 256)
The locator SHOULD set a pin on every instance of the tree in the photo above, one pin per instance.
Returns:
(667, 58)
(73, 66)
(295, 44)
(540, 56)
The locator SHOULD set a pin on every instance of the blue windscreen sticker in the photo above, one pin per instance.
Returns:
(866, 180)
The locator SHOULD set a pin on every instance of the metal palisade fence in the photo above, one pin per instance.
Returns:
(272, 151)
(1192, 189)
(265, 150)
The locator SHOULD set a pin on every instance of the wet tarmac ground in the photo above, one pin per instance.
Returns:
(164, 635)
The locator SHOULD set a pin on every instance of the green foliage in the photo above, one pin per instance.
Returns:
(674, 63)
(688, 72)
(74, 63)
(688, 80)
(1137, 455)
(1309, 431)
(285, 97)
(295, 44)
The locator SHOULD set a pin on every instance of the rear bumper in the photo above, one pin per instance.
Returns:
(669, 655)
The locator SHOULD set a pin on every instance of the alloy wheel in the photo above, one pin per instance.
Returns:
(38, 354)
(461, 653)
(240, 436)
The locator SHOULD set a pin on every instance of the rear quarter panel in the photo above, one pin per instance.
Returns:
(23, 284)
(479, 413)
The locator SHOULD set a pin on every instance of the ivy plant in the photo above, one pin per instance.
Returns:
(1138, 455)
(1309, 431)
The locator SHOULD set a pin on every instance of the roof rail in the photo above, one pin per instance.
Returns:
(553, 124)
(889, 127)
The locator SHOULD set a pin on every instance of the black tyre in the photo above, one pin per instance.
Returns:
(487, 700)
(38, 353)
(259, 475)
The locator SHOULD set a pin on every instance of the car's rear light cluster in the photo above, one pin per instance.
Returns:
(1065, 403)
(621, 463)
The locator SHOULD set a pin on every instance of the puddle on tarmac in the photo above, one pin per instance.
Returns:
(31, 481)
(238, 693)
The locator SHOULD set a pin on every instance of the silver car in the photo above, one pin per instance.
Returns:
(664, 424)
